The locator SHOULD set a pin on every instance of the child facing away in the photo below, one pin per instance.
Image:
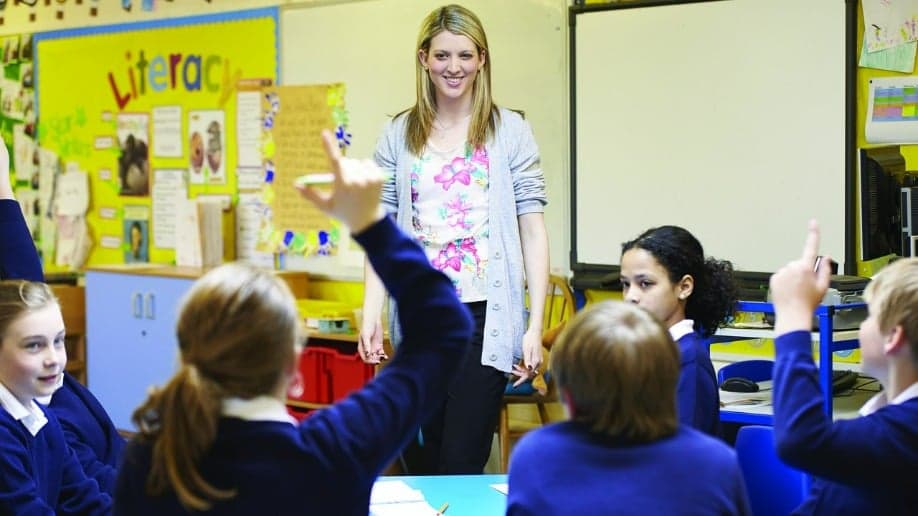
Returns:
(218, 438)
(623, 451)
(866, 465)
(88, 429)
(39, 472)
(664, 271)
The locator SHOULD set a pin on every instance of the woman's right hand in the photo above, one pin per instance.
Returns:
(370, 341)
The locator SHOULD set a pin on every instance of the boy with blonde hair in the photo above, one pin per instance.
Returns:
(623, 450)
(866, 465)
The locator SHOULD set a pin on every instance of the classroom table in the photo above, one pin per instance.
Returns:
(467, 495)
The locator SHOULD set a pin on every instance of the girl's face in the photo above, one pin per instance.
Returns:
(452, 62)
(646, 283)
(32, 354)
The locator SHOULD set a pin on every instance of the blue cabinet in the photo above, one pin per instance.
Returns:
(130, 329)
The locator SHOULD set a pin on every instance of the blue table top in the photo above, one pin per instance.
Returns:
(467, 495)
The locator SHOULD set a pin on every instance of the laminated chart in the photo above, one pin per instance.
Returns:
(892, 110)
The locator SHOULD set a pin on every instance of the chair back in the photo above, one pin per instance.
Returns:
(559, 307)
(754, 370)
(774, 488)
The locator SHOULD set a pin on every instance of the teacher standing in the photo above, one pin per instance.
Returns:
(466, 181)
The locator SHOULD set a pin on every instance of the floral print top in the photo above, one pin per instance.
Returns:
(449, 206)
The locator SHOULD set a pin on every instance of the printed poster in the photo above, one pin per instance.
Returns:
(206, 145)
(134, 162)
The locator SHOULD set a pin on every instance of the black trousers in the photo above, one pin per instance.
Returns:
(457, 438)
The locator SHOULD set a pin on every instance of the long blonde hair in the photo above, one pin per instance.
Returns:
(458, 20)
(237, 331)
(620, 367)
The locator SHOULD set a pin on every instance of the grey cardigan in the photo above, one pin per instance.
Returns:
(516, 187)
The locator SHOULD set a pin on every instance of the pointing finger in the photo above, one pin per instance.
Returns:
(811, 246)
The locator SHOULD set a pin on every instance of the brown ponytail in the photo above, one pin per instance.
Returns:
(193, 405)
(237, 331)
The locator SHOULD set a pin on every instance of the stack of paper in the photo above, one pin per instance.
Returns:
(199, 233)
(395, 497)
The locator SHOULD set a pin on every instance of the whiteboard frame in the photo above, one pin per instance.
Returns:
(605, 275)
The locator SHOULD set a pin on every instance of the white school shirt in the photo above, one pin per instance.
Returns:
(260, 408)
(879, 400)
(30, 416)
(681, 329)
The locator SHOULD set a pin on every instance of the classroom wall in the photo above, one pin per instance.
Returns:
(16, 17)
(528, 40)
(375, 57)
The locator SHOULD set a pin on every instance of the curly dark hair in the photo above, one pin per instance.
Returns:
(680, 253)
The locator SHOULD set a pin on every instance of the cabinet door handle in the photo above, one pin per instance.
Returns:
(137, 305)
(150, 302)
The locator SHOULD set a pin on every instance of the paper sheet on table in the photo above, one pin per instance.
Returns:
(390, 491)
(501, 488)
(395, 497)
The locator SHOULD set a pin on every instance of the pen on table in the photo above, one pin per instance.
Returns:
(443, 508)
(323, 178)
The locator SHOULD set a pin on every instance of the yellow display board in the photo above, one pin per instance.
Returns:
(133, 104)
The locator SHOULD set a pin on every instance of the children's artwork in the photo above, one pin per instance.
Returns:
(888, 23)
(136, 234)
(207, 142)
(142, 81)
(11, 49)
(900, 58)
(293, 118)
(133, 131)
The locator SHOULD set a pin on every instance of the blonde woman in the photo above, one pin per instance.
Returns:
(467, 184)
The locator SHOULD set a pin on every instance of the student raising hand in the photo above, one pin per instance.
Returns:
(355, 196)
(797, 289)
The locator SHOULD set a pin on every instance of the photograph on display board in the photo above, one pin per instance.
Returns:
(134, 162)
(136, 241)
(207, 132)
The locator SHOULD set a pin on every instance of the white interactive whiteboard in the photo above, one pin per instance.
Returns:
(725, 117)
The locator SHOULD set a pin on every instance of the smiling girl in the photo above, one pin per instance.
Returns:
(41, 474)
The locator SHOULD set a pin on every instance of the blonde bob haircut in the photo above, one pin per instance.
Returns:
(619, 368)
(893, 296)
(238, 329)
(461, 21)
(18, 297)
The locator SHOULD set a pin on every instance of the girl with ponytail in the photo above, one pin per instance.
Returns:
(665, 271)
(217, 437)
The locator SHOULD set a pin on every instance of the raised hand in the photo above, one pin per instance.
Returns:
(354, 197)
(797, 289)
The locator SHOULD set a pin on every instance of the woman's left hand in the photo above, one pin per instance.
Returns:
(532, 357)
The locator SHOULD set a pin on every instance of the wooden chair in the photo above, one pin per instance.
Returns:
(559, 307)
(73, 309)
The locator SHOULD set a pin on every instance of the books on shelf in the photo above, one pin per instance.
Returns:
(199, 233)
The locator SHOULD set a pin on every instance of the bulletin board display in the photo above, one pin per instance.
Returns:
(149, 111)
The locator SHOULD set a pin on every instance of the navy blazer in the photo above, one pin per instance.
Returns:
(88, 429)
